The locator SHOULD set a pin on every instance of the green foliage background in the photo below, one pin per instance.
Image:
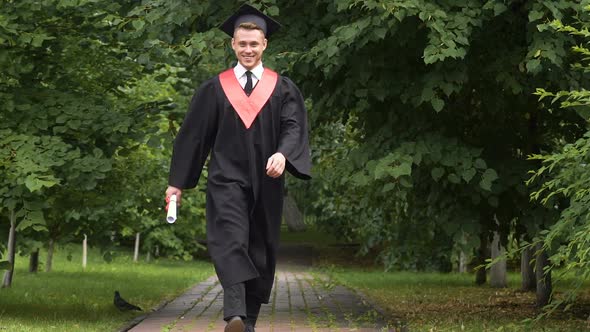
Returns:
(423, 116)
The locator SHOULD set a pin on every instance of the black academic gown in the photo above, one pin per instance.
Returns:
(244, 205)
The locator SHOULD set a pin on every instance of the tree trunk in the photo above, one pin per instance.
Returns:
(462, 262)
(498, 270)
(482, 255)
(49, 261)
(34, 261)
(544, 287)
(527, 271)
(293, 217)
(84, 252)
(148, 257)
(7, 282)
(136, 252)
(157, 253)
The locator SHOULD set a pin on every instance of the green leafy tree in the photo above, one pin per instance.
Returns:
(61, 121)
(562, 180)
(443, 96)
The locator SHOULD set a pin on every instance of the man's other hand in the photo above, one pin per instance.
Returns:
(173, 191)
(275, 165)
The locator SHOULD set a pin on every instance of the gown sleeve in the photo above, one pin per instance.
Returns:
(195, 139)
(293, 139)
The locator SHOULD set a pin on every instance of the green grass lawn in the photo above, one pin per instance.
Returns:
(71, 299)
(452, 302)
(437, 301)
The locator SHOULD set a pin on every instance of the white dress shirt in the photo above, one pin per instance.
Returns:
(240, 72)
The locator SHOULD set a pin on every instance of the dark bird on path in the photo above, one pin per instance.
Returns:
(123, 305)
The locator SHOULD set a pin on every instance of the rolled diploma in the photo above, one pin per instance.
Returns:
(171, 217)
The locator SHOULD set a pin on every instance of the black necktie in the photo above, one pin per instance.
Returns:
(248, 87)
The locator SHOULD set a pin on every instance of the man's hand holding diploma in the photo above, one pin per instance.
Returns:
(173, 197)
(174, 191)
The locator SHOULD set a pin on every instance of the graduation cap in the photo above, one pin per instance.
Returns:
(247, 13)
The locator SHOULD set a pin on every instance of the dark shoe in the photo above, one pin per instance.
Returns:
(235, 325)
(250, 328)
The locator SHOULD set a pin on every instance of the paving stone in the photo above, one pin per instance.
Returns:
(298, 304)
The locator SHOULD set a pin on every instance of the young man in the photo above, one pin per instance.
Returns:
(253, 121)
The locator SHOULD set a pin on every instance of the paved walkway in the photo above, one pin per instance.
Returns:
(299, 302)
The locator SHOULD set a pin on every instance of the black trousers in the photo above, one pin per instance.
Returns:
(236, 302)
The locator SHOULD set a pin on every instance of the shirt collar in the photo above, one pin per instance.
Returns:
(240, 70)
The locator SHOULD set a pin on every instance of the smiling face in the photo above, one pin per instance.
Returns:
(249, 44)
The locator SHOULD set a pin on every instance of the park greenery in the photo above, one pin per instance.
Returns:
(439, 129)
(72, 299)
(444, 302)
